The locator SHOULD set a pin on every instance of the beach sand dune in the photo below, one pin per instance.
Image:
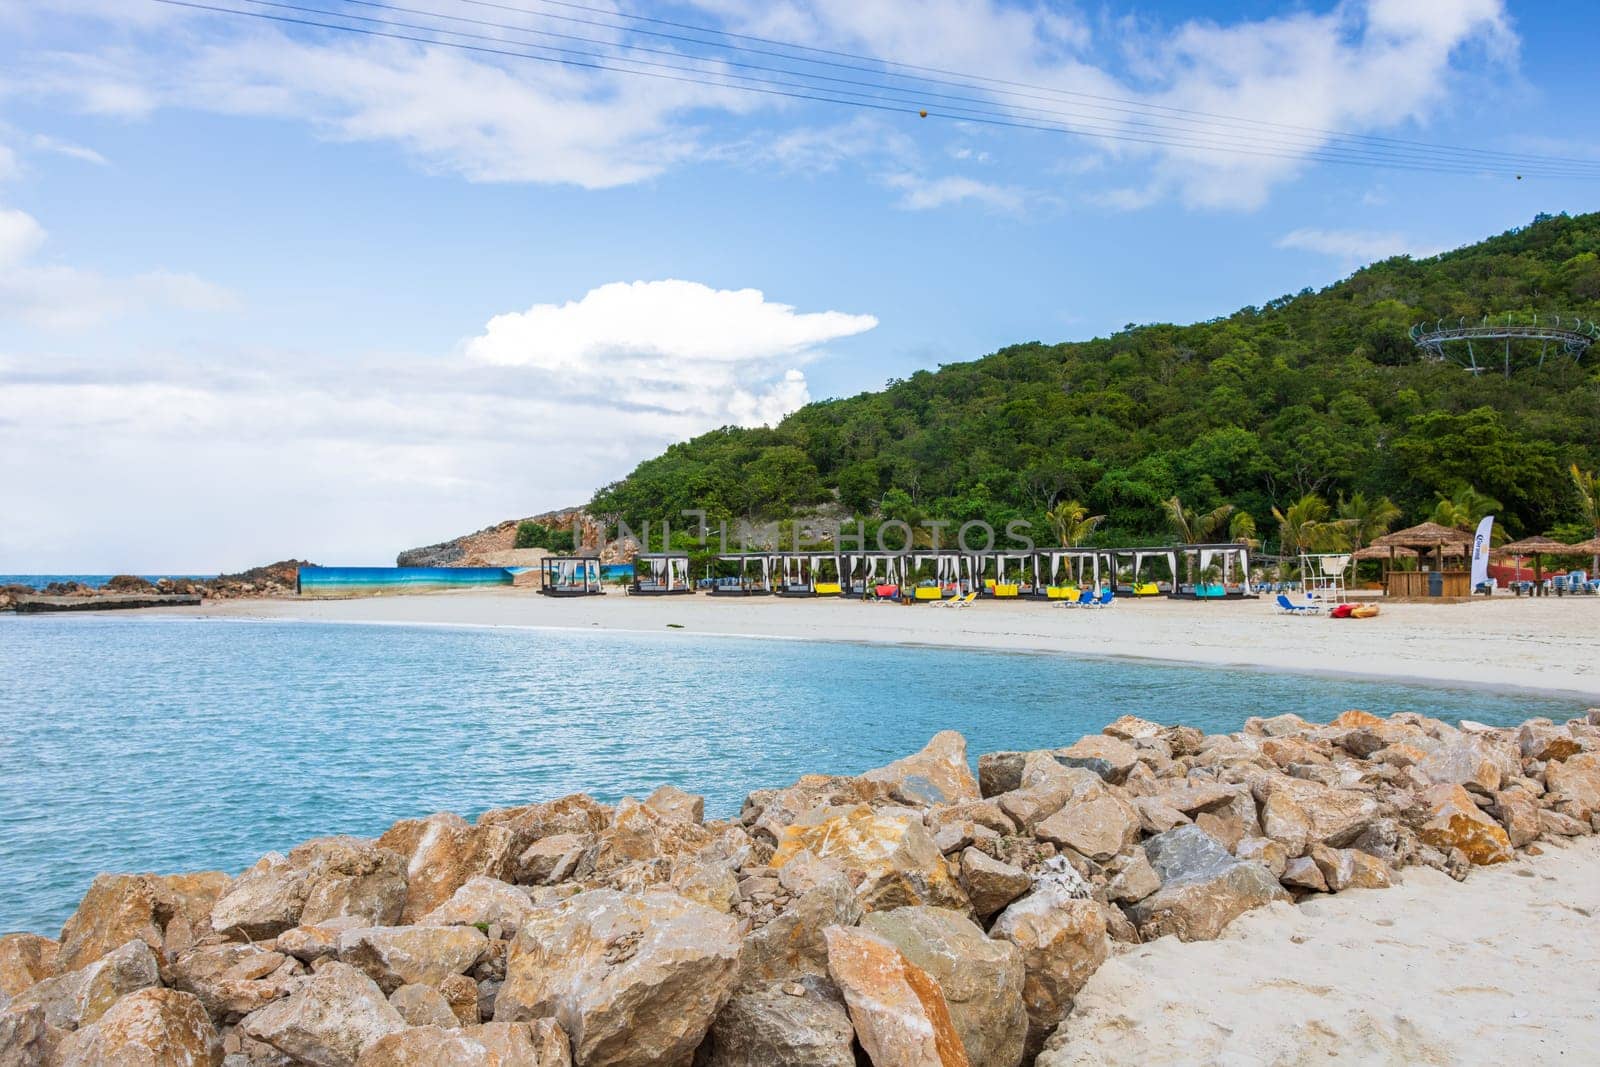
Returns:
(1499, 969)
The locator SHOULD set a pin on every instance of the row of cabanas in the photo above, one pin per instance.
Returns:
(1434, 546)
(1207, 571)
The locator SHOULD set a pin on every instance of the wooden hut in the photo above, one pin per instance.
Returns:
(1428, 538)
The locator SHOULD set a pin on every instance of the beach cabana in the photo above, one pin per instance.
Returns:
(1232, 563)
(661, 574)
(1011, 570)
(754, 577)
(807, 573)
(1538, 547)
(570, 576)
(1063, 570)
(873, 573)
(1426, 538)
(954, 573)
(1132, 561)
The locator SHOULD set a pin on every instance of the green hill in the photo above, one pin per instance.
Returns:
(1319, 392)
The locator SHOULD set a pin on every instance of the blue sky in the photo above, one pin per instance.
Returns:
(267, 290)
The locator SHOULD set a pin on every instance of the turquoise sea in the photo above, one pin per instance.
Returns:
(149, 744)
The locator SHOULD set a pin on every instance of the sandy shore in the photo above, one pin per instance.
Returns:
(1548, 644)
(1498, 969)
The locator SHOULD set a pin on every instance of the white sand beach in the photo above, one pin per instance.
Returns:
(1498, 969)
(1549, 644)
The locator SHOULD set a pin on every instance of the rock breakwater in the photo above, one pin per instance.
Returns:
(918, 914)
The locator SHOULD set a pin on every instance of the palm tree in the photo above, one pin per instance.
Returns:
(1072, 523)
(1305, 526)
(1367, 519)
(1242, 530)
(1462, 508)
(1588, 486)
(1194, 528)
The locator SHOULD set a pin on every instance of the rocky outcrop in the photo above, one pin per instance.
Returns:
(915, 912)
(502, 537)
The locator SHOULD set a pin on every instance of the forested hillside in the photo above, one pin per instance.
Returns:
(1319, 393)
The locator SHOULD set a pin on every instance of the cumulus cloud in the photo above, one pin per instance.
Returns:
(535, 410)
(1362, 66)
(1357, 246)
(677, 348)
(923, 194)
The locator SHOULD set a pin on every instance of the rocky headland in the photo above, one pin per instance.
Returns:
(272, 579)
(481, 547)
(917, 915)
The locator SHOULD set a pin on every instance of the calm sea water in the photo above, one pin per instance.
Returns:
(175, 744)
(94, 581)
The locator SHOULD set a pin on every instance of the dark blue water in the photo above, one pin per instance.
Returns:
(172, 744)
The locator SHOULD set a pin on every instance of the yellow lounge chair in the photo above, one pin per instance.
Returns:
(829, 589)
(1147, 589)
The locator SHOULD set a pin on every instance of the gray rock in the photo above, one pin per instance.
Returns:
(797, 1023)
(990, 883)
(1203, 887)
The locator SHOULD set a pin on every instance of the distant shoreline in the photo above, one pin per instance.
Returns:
(1549, 646)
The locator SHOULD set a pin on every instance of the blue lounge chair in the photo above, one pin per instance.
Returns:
(1289, 607)
(1103, 600)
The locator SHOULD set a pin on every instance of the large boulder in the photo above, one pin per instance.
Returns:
(231, 979)
(329, 1021)
(117, 908)
(1347, 868)
(1448, 818)
(147, 1028)
(1539, 739)
(889, 855)
(1575, 785)
(24, 960)
(1062, 936)
(78, 998)
(424, 1005)
(442, 852)
(798, 1023)
(633, 979)
(898, 1011)
(1468, 761)
(575, 814)
(394, 956)
(671, 802)
(1098, 826)
(639, 834)
(981, 978)
(534, 1044)
(26, 1040)
(991, 884)
(321, 880)
(1109, 757)
(1203, 887)
(939, 774)
(481, 900)
(791, 944)
(1297, 813)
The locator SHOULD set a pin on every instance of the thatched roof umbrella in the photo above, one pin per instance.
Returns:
(1386, 557)
(1537, 546)
(1425, 536)
(1591, 548)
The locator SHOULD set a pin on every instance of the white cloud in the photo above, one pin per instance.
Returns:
(1364, 66)
(57, 146)
(57, 297)
(684, 350)
(919, 193)
(1357, 246)
(347, 460)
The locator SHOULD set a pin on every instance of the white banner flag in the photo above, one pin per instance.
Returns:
(1480, 552)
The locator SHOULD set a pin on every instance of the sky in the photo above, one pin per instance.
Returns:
(273, 290)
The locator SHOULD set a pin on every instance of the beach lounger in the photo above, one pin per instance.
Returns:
(1103, 600)
(964, 601)
(1289, 607)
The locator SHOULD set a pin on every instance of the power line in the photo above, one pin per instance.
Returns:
(858, 58)
(1079, 119)
(775, 87)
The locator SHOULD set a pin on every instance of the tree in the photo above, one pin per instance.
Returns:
(1464, 508)
(1195, 528)
(532, 534)
(1242, 530)
(1305, 527)
(1366, 518)
(1072, 523)
(1588, 485)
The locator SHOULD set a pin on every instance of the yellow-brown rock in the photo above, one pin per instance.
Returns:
(441, 853)
(535, 1044)
(24, 960)
(898, 1011)
(1063, 941)
(148, 1028)
(889, 856)
(1355, 719)
(939, 774)
(1575, 785)
(117, 909)
(1452, 820)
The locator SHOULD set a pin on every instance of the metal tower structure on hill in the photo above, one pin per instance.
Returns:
(1507, 340)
